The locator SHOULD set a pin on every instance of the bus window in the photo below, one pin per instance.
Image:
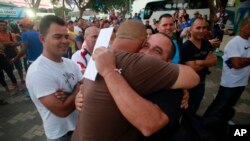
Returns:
(147, 13)
(169, 6)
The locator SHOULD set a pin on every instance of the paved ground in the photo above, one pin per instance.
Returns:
(20, 121)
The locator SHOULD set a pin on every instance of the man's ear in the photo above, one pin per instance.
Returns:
(42, 38)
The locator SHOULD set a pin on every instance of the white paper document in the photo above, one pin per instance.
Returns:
(102, 41)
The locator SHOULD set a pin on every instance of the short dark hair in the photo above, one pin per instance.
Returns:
(165, 16)
(46, 21)
(149, 27)
(198, 18)
(173, 49)
(244, 21)
(70, 22)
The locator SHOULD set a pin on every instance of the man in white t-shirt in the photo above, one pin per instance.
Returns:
(235, 76)
(78, 27)
(50, 74)
(81, 57)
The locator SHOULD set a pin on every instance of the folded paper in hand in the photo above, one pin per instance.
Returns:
(102, 41)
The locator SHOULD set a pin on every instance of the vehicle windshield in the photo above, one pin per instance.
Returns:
(167, 5)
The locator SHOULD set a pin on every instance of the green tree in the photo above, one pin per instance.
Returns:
(82, 5)
(106, 5)
(71, 4)
(213, 7)
(33, 4)
(59, 11)
(100, 5)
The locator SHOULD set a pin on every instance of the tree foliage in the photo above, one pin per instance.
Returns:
(106, 5)
(54, 2)
(61, 11)
(82, 5)
(101, 5)
(71, 4)
(34, 4)
(122, 5)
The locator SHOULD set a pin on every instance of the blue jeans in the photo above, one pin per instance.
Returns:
(222, 105)
(66, 137)
(195, 97)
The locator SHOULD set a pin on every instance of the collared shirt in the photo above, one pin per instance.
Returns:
(81, 57)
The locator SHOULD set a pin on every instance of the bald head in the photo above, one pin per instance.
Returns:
(90, 37)
(198, 29)
(131, 29)
(130, 36)
(90, 30)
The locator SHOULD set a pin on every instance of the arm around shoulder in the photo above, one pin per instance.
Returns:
(146, 116)
(141, 113)
(187, 78)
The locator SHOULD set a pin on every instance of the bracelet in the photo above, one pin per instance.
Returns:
(118, 70)
(115, 70)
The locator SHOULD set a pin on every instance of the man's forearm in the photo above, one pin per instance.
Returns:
(58, 107)
(238, 62)
(209, 62)
(70, 102)
(68, 106)
(143, 114)
(195, 65)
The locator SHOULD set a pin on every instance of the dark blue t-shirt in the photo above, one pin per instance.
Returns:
(35, 47)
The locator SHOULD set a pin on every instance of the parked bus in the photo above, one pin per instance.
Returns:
(153, 9)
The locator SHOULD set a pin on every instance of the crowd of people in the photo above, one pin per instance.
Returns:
(142, 88)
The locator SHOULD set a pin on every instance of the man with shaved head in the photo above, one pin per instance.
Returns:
(102, 116)
(81, 57)
(198, 54)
